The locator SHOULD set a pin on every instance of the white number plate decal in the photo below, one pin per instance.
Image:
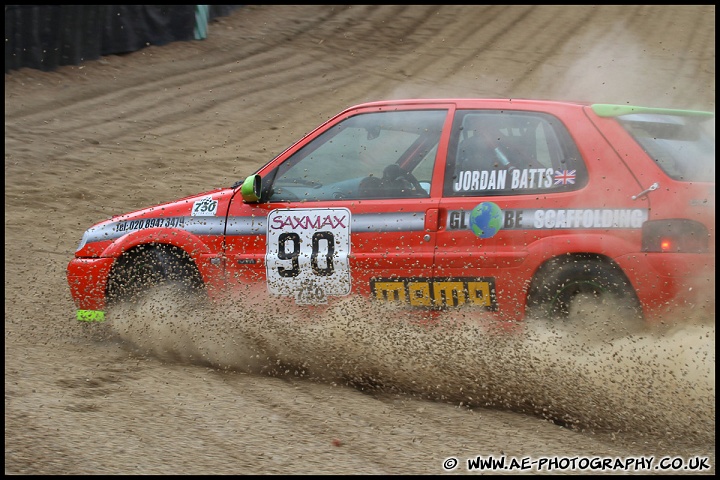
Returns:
(205, 207)
(307, 253)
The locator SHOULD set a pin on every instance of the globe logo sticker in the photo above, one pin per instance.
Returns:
(486, 219)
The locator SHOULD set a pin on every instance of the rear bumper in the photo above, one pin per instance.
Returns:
(668, 281)
(87, 278)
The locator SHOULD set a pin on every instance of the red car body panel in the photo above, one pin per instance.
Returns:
(425, 243)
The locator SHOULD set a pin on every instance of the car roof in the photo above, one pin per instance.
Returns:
(600, 109)
(469, 102)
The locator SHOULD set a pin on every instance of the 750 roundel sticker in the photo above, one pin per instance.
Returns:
(308, 253)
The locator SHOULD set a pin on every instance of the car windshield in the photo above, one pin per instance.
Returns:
(682, 146)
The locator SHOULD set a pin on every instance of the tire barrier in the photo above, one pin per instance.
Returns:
(46, 37)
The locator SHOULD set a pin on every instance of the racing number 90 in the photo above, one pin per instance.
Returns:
(293, 255)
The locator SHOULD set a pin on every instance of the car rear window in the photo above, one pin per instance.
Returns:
(682, 146)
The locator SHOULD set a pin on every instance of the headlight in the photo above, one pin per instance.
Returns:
(83, 241)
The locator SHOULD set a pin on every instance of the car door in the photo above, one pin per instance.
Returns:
(503, 167)
(347, 210)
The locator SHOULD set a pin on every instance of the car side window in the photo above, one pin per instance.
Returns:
(369, 155)
(496, 152)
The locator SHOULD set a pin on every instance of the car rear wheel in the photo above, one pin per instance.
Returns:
(580, 287)
(150, 269)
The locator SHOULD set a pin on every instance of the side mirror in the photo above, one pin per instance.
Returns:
(250, 189)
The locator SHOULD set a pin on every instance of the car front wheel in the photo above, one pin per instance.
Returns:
(149, 269)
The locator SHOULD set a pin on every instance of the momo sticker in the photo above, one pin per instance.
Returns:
(308, 252)
(436, 292)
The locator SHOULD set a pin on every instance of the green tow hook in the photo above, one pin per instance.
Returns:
(90, 316)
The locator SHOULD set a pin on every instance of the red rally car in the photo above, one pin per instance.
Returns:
(509, 206)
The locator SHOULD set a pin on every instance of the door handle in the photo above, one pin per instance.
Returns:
(432, 216)
(651, 188)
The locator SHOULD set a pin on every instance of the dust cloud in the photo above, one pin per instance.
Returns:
(588, 372)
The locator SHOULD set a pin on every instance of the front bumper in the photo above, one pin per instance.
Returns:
(87, 278)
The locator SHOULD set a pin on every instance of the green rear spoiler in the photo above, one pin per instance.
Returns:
(607, 110)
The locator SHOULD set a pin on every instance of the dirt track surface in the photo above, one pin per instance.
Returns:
(241, 392)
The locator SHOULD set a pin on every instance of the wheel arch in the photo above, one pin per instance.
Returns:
(130, 255)
(551, 265)
(178, 238)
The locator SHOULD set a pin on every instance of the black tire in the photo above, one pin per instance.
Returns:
(138, 273)
(560, 284)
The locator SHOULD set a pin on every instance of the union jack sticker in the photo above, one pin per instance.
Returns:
(565, 177)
